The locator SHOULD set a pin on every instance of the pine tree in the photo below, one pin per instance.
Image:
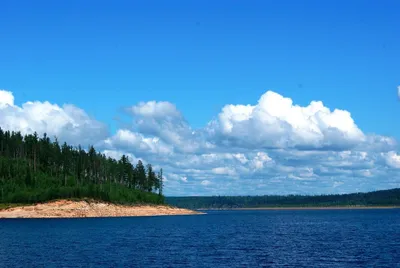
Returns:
(151, 178)
(141, 175)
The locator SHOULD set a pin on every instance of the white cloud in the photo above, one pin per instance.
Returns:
(260, 160)
(164, 121)
(126, 139)
(69, 123)
(6, 98)
(392, 159)
(275, 122)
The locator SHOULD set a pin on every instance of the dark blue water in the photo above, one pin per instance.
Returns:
(338, 238)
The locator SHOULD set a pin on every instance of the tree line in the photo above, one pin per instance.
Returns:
(376, 198)
(34, 169)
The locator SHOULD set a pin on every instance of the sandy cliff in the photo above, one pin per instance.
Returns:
(81, 209)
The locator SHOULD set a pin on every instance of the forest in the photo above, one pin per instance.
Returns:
(376, 198)
(37, 169)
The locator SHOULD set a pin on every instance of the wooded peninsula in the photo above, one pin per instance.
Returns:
(35, 169)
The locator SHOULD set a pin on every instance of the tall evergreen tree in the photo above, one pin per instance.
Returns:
(151, 178)
(141, 175)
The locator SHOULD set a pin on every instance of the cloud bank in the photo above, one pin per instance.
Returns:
(272, 147)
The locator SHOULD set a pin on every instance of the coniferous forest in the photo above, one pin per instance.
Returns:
(37, 169)
(377, 198)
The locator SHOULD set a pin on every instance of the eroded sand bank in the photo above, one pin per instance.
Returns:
(83, 209)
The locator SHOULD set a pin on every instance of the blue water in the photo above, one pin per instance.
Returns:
(328, 238)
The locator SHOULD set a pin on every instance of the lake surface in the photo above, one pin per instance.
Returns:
(257, 238)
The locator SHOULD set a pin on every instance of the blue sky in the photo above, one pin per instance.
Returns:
(200, 56)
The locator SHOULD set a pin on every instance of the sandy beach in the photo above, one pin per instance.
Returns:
(85, 209)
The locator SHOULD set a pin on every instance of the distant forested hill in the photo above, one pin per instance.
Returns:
(377, 198)
(36, 169)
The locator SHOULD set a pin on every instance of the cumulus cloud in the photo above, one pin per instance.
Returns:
(272, 147)
(275, 122)
(68, 122)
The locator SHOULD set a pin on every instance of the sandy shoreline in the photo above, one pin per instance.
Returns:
(308, 208)
(85, 209)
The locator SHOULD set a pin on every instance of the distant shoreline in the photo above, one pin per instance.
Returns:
(380, 199)
(306, 208)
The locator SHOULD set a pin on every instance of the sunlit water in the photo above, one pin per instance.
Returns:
(328, 238)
